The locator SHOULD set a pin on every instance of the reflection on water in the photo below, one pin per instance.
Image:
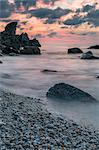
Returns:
(23, 75)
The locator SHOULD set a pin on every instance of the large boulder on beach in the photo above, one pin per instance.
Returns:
(88, 55)
(68, 92)
(94, 47)
(29, 50)
(74, 50)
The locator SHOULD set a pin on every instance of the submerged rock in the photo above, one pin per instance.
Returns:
(88, 55)
(47, 70)
(94, 47)
(68, 92)
(74, 50)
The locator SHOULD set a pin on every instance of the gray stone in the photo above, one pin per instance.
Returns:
(88, 55)
(68, 92)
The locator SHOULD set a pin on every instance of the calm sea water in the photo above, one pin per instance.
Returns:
(23, 75)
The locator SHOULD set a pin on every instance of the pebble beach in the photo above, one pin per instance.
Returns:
(26, 124)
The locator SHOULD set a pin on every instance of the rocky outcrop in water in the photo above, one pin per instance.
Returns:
(68, 92)
(12, 43)
(88, 55)
(74, 50)
(94, 47)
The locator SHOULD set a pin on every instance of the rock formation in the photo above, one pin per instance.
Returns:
(12, 43)
(74, 50)
(88, 55)
(94, 47)
(67, 92)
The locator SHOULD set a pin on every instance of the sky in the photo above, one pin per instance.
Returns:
(60, 21)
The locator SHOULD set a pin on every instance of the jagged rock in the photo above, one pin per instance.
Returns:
(88, 55)
(94, 47)
(28, 50)
(74, 50)
(10, 29)
(24, 39)
(35, 42)
(12, 43)
(68, 92)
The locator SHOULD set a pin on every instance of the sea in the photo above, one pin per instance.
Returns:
(24, 75)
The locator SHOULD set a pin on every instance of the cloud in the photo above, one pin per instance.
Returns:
(48, 13)
(6, 9)
(25, 3)
(88, 8)
(93, 17)
(76, 20)
(52, 34)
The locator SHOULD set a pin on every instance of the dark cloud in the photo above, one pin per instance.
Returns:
(25, 3)
(38, 36)
(52, 34)
(50, 21)
(49, 1)
(76, 20)
(88, 8)
(49, 13)
(93, 17)
(8, 20)
(6, 9)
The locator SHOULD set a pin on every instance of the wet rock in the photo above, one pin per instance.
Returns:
(28, 50)
(74, 50)
(47, 70)
(94, 47)
(68, 92)
(88, 55)
(97, 77)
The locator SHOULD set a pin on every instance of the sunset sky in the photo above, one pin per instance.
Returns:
(54, 20)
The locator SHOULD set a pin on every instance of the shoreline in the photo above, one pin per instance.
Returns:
(26, 124)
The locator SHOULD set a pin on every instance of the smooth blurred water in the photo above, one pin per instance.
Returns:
(23, 75)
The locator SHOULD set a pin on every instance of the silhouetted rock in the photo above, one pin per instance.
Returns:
(74, 50)
(10, 29)
(68, 92)
(24, 39)
(88, 55)
(35, 42)
(29, 50)
(11, 44)
(1, 62)
(47, 70)
(94, 47)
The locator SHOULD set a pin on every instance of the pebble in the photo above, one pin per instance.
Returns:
(25, 124)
